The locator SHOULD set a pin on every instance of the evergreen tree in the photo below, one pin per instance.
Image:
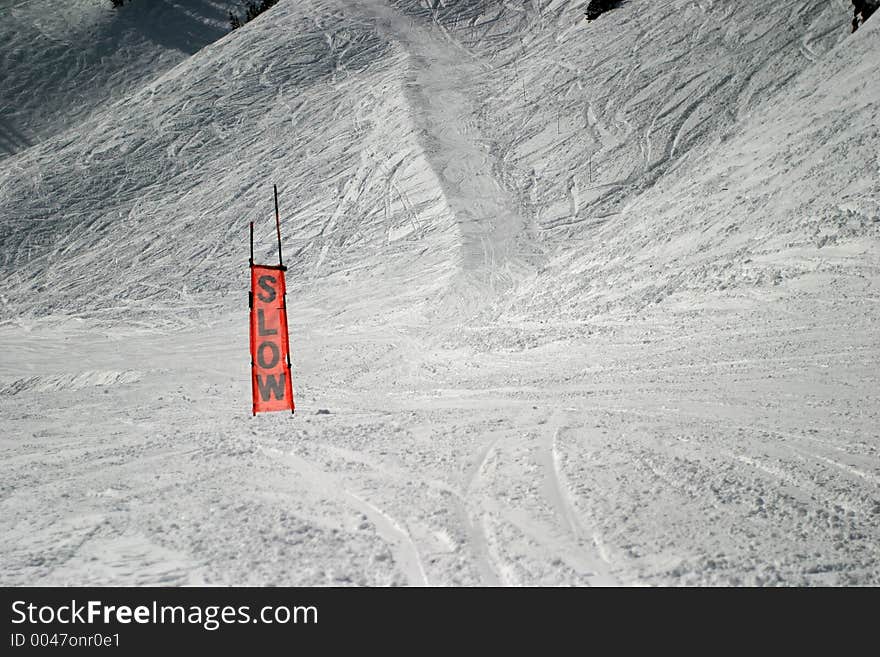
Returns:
(862, 10)
(252, 9)
(598, 7)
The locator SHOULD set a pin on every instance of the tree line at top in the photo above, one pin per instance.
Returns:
(862, 10)
(251, 9)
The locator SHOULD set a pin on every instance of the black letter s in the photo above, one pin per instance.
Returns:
(268, 287)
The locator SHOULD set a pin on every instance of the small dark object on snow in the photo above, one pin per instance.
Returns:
(323, 411)
(862, 9)
(598, 7)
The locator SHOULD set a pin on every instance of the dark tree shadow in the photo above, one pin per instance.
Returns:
(184, 25)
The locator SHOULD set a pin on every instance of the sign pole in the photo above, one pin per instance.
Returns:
(278, 225)
(284, 299)
(251, 319)
(271, 380)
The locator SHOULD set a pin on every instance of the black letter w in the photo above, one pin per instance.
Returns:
(270, 385)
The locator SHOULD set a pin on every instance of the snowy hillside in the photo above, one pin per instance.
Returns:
(588, 302)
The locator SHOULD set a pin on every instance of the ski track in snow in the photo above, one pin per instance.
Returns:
(387, 527)
(560, 494)
(576, 322)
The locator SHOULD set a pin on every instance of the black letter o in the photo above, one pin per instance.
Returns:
(276, 355)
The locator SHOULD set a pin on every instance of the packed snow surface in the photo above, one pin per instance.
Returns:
(579, 303)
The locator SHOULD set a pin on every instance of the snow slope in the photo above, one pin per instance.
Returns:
(589, 303)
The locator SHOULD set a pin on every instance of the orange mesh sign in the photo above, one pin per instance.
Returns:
(270, 347)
